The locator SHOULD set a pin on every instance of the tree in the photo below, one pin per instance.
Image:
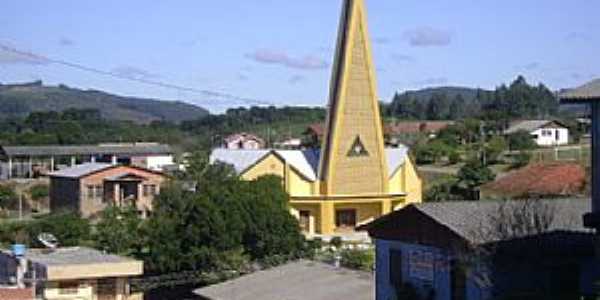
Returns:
(495, 147)
(472, 175)
(521, 140)
(69, 228)
(119, 231)
(457, 108)
(8, 197)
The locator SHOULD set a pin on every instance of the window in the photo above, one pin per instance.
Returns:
(68, 287)
(345, 218)
(149, 190)
(90, 191)
(357, 149)
(395, 265)
(99, 192)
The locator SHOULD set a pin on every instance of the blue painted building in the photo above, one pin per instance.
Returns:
(485, 250)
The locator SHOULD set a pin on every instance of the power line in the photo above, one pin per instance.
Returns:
(180, 88)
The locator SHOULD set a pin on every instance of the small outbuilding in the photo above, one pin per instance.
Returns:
(478, 250)
(543, 132)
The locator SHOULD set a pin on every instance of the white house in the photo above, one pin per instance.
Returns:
(244, 141)
(544, 132)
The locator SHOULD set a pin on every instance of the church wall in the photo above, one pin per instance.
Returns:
(299, 186)
(413, 184)
(270, 165)
(364, 211)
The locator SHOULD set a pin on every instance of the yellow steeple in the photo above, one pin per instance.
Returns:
(353, 159)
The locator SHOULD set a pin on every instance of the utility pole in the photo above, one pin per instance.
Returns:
(20, 206)
(482, 134)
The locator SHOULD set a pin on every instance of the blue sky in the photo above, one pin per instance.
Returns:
(281, 51)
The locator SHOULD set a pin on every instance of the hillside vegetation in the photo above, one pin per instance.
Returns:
(19, 100)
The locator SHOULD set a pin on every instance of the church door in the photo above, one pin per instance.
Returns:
(305, 220)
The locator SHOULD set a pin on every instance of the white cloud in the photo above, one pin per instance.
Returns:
(309, 62)
(428, 37)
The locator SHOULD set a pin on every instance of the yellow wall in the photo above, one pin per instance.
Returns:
(404, 180)
(269, 165)
(413, 186)
(299, 186)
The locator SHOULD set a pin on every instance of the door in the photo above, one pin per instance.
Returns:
(458, 280)
(304, 220)
(345, 218)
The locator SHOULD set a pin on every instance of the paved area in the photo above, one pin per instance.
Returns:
(296, 281)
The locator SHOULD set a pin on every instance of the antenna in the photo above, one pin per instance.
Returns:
(48, 240)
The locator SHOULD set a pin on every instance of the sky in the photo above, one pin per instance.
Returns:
(281, 51)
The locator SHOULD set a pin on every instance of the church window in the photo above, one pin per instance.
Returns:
(358, 148)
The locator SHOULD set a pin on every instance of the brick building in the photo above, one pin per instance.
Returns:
(90, 188)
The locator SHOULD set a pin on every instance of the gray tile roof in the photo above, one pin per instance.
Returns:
(72, 256)
(102, 149)
(295, 281)
(474, 220)
(527, 125)
(80, 170)
(305, 161)
(588, 91)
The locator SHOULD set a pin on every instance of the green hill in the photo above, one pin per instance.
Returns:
(467, 93)
(18, 100)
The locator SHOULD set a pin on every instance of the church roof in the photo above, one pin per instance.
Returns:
(304, 161)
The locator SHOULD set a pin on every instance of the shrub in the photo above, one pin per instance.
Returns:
(454, 157)
(39, 191)
(336, 241)
(8, 196)
(358, 259)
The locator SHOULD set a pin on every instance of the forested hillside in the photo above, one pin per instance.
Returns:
(18, 100)
(519, 100)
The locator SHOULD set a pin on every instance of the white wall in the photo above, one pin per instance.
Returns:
(551, 136)
(158, 162)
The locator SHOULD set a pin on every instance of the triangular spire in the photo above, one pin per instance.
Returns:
(353, 120)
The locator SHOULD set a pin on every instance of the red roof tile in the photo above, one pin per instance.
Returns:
(16, 294)
(417, 127)
(557, 179)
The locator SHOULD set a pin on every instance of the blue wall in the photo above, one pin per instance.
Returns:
(439, 280)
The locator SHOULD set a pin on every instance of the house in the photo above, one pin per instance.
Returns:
(74, 273)
(543, 132)
(352, 178)
(539, 180)
(411, 131)
(89, 188)
(480, 250)
(291, 143)
(243, 141)
(33, 161)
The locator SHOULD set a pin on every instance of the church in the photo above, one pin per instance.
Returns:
(352, 179)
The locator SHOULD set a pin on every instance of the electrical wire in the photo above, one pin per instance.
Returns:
(210, 93)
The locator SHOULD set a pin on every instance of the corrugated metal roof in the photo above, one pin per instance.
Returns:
(305, 161)
(80, 170)
(72, 256)
(239, 159)
(588, 91)
(527, 125)
(118, 149)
